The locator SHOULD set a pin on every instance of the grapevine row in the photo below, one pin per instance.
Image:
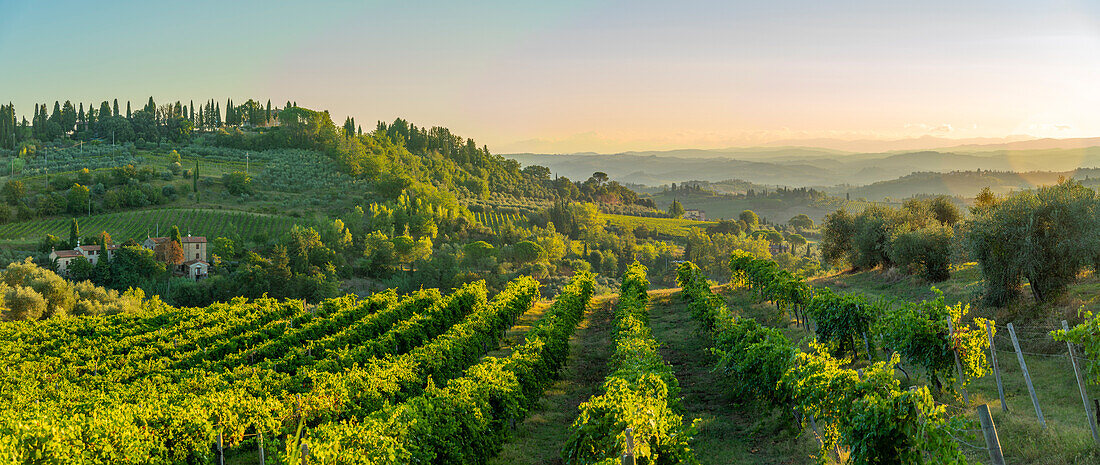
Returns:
(864, 411)
(641, 393)
(465, 421)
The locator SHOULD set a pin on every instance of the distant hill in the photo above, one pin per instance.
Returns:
(802, 167)
(964, 184)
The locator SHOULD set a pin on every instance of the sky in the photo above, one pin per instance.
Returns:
(571, 76)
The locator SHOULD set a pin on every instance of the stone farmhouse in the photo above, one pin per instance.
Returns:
(194, 264)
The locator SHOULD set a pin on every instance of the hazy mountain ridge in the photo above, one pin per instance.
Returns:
(795, 166)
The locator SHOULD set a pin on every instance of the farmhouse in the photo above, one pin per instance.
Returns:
(64, 259)
(697, 215)
(195, 265)
(92, 252)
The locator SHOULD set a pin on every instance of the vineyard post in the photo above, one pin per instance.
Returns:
(958, 365)
(1081, 385)
(993, 362)
(867, 345)
(305, 452)
(989, 430)
(221, 451)
(1027, 376)
(628, 455)
(261, 448)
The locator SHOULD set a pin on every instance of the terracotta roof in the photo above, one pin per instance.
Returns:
(67, 253)
(89, 247)
(192, 262)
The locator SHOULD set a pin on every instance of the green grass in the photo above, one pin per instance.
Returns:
(678, 228)
(138, 224)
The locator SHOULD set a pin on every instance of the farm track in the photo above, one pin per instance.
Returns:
(539, 438)
(726, 432)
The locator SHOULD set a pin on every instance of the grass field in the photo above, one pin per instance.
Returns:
(679, 228)
(139, 224)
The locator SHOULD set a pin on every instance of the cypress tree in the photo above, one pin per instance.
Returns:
(74, 233)
(191, 116)
(128, 114)
(104, 110)
(115, 108)
(195, 181)
(151, 107)
(174, 234)
(267, 114)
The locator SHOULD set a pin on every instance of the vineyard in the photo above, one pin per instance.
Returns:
(139, 224)
(430, 377)
(345, 381)
(495, 220)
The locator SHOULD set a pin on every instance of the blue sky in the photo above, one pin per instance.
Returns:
(601, 75)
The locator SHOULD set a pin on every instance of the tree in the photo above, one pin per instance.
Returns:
(237, 183)
(14, 191)
(924, 251)
(802, 222)
(750, 218)
(78, 198)
(836, 237)
(174, 235)
(23, 303)
(74, 233)
(796, 240)
(528, 251)
(133, 265)
(1045, 236)
(676, 210)
(478, 253)
(195, 181)
(170, 252)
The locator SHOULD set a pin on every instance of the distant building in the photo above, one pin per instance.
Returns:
(194, 247)
(778, 248)
(64, 259)
(195, 265)
(91, 252)
(696, 215)
(194, 255)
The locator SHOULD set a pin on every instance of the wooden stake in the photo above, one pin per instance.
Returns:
(958, 364)
(261, 448)
(867, 345)
(1027, 376)
(221, 452)
(305, 452)
(1081, 386)
(989, 430)
(993, 362)
(628, 455)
